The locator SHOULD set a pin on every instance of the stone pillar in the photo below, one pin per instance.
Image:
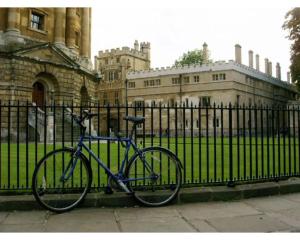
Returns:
(270, 68)
(250, 58)
(60, 26)
(257, 62)
(13, 19)
(288, 77)
(70, 27)
(266, 66)
(238, 53)
(90, 31)
(13, 34)
(278, 71)
(85, 35)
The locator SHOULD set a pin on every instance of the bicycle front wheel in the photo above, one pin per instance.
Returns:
(61, 180)
(155, 178)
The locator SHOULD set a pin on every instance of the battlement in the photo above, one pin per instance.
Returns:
(141, 52)
(122, 51)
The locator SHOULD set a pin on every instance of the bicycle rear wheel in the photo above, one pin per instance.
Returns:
(155, 178)
(56, 186)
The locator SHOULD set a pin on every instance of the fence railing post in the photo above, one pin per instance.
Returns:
(230, 182)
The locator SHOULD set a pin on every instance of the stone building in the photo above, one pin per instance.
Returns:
(207, 84)
(114, 65)
(45, 57)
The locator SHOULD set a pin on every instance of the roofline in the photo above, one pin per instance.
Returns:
(217, 66)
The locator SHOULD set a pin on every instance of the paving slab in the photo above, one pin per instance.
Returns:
(142, 213)
(166, 224)
(22, 227)
(104, 226)
(202, 225)
(253, 223)
(28, 217)
(274, 203)
(292, 197)
(3, 215)
(216, 210)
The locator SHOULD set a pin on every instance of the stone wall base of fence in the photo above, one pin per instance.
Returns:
(9, 202)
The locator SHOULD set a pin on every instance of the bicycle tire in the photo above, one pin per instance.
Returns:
(160, 185)
(55, 194)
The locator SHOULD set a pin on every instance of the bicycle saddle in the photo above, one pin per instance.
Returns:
(135, 120)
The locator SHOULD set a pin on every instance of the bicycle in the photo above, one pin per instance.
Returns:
(63, 177)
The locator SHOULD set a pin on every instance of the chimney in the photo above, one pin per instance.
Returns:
(238, 53)
(136, 45)
(270, 68)
(205, 53)
(250, 58)
(266, 66)
(278, 71)
(288, 77)
(257, 62)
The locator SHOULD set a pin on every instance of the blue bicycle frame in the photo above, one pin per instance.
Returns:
(118, 177)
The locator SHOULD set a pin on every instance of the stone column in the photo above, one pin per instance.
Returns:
(238, 53)
(270, 68)
(13, 34)
(250, 58)
(60, 26)
(13, 20)
(278, 71)
(266, 66)
(70, 27)
(85, 33)
(257, 62)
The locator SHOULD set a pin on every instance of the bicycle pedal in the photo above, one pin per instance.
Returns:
(108, 190)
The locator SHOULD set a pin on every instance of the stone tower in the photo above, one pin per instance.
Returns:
(114, 64)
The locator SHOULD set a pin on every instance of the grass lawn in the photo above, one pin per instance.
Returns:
(203, 160)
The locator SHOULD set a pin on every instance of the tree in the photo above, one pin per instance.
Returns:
(292, 24)
(192, 57)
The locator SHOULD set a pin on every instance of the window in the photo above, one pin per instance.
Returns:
(197, 123)
(113, 75)
(186, 123)
(153, 103)
(116, 98)
(220, 76)
(172, 102)
(118, 59)
(186, 79)
(205, 101)
(238, 97)
(37, 21)
(152, 83)
(196, 79)
(105, 100)
(175, 81)
(131, 84)
(139, 105)
(186, 102)
(216, 122)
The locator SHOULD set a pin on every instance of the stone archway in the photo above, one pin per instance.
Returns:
(45, 89)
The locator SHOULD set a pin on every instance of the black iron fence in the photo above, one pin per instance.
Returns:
(216, 144)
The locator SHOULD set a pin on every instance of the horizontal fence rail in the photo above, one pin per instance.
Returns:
(216, 144)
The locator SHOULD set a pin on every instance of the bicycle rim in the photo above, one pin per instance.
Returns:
(157, 177)
(58, 193)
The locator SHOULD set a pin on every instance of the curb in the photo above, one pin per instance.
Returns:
(186, 195)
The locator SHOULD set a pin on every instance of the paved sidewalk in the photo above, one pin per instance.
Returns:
(265, 214)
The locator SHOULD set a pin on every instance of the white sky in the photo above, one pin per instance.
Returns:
(176, 26)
